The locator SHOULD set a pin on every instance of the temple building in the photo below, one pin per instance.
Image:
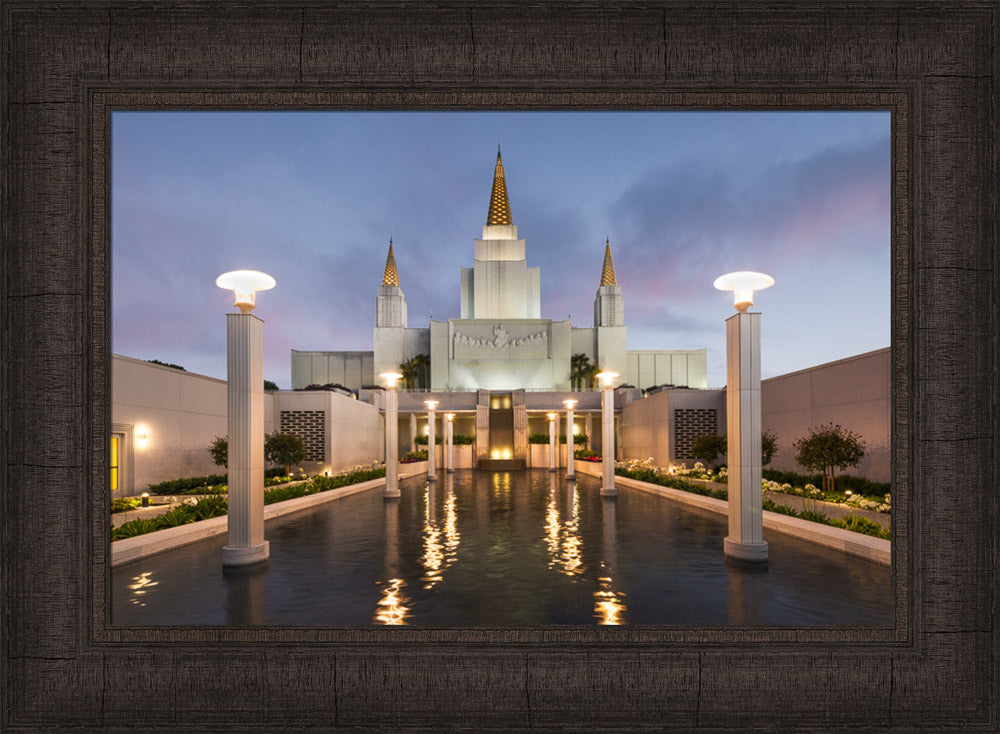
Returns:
(500, 342)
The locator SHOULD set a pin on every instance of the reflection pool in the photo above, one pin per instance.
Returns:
(479, 548)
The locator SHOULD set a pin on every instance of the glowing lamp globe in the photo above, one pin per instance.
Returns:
(390, 378)
(607, 377)
(245, 284)
(431, 404)
(552, 416)
(569, 404)
(743, 283)
(449, 417)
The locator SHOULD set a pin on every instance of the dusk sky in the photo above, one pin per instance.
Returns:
(313, 197)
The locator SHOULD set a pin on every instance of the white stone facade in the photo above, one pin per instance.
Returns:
(500, 341)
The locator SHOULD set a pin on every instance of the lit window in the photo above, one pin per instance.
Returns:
(114, 463)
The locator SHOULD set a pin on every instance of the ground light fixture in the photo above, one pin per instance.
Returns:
(745, 541)
(570, 443)
(245, 284)
(608, 432)
(449, 437)
(743, 283)
(245, 407)
(552, 440)
(431, 448)
(391, 435)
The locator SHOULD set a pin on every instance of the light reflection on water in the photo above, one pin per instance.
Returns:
(140, 584)
(502, 549)
(392, 607)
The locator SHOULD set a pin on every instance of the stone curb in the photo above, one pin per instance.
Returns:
(143, 546)
(846, 541)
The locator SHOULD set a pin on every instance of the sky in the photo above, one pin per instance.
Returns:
(312, 198)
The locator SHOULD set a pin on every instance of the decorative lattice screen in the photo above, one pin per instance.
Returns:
(689, 423)
(310, 426)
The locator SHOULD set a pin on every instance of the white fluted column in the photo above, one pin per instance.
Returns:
(746, 518)
(413, 431)
(391, 444)
(608, 440)
(431, 447)
(245, 405)
(449, 434)
(570, 443)
(552, 442)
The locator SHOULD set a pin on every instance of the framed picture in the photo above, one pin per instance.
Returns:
(932, 69)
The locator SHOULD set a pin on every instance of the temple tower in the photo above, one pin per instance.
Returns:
(500, 285)
(609, 319)
(390, 320)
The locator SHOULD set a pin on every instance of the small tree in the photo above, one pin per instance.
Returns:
(708, 448)
(220, 451)
(829, 448)
(768, 447)
(270, 385)
(284, 449)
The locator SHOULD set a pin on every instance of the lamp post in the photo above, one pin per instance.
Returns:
(552, 441)
(570, 443)
(608, 433)
(431, 405)
(245, 422)
(391, 435)
(449, 434)
(746, 518)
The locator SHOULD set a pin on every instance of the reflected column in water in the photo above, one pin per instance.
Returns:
(572, 543)
(245, 594)
(608, 605)
(391, 608)
(746, 592)
(451, 535)
(433, 556)
(552, 522)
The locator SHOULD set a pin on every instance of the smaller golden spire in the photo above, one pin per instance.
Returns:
(499, 205)
(608, 272)
(391, 277)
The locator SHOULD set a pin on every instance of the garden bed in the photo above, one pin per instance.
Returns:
(207, 507)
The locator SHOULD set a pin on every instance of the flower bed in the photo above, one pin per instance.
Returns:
(675, 477)
(191, 510)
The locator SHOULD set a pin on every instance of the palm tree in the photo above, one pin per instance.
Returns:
(579, 364)
(409, 371)
(423, 365)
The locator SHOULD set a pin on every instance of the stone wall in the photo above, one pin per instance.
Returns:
(852, 392)
(180, 413)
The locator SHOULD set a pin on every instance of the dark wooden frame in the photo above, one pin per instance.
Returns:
(67, 65)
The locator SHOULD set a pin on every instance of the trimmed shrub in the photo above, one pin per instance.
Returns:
(828, 448)
(130, 529)
(708, 448)
(177, 486)
(124, 504)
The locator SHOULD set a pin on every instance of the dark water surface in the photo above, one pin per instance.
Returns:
(498, 549)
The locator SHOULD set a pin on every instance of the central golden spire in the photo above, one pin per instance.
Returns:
(608, 272)
(391, 277)
(499, 206)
